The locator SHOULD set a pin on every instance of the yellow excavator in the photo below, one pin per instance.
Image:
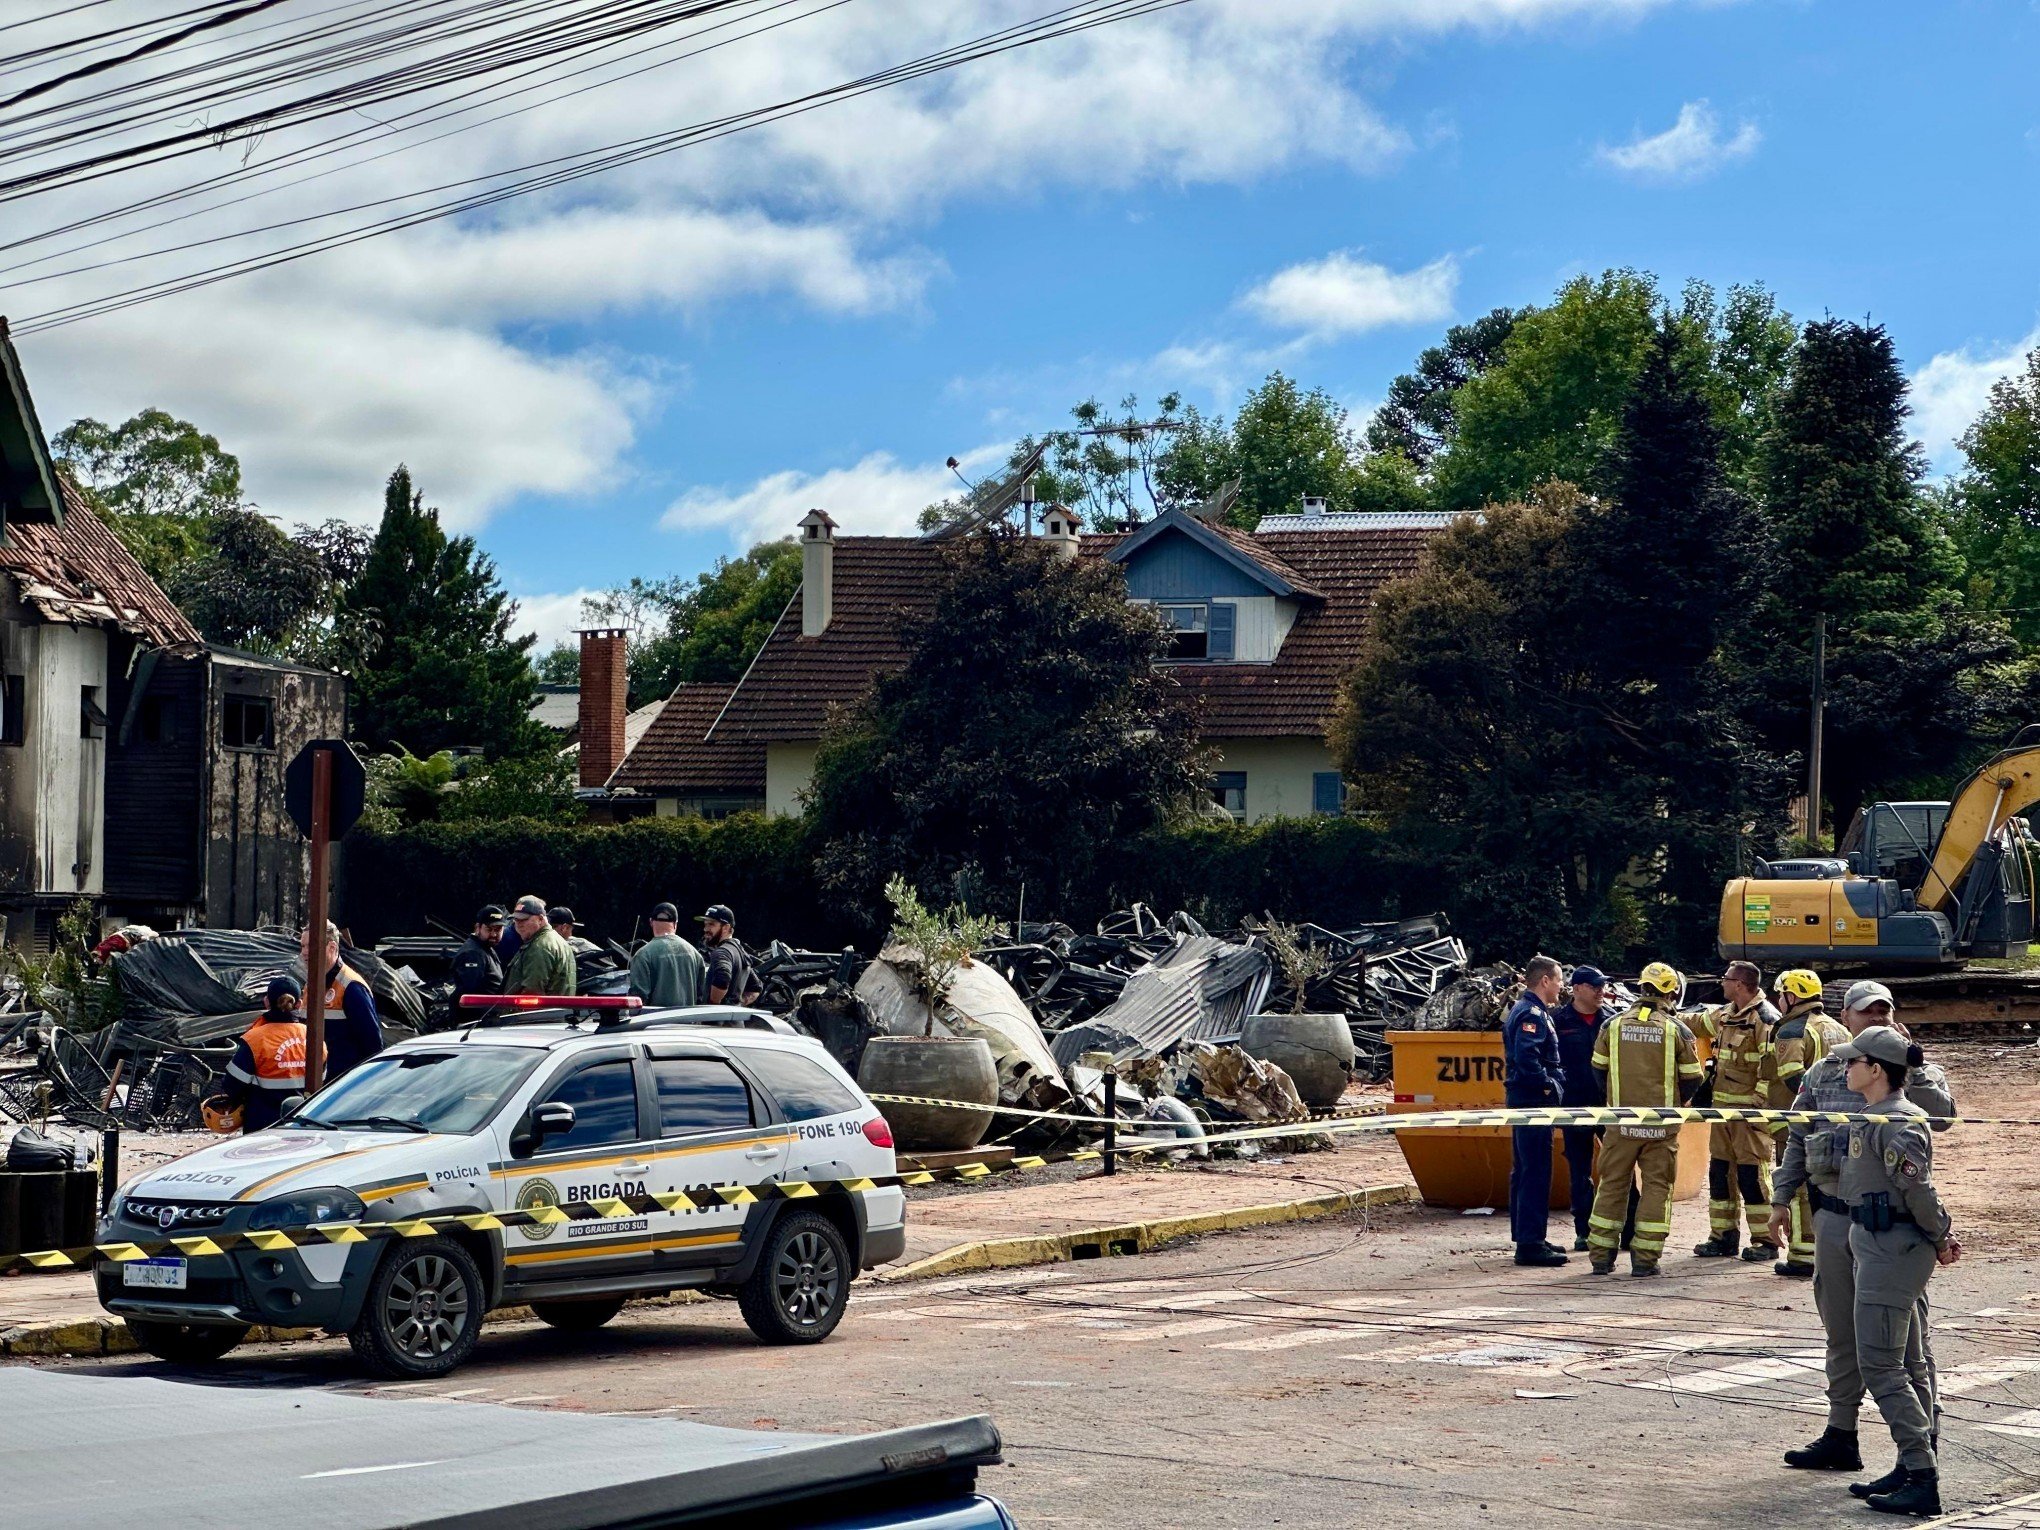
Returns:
(1916, 884)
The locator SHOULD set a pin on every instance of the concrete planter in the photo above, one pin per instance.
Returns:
(1314, 1050)
(936, 1068)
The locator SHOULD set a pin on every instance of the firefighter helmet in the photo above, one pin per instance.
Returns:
(1662, 978)
(1799, 984)
(221, 1118)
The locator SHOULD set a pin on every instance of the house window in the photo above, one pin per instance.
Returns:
(247, 723)
(1188, 631)
(1327, 793)
(1219, 630)
(1229, 791)
(91, 720)
(14, 710)
(157, 724)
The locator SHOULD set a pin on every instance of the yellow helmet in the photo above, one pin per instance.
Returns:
(1662, 978)
(221, 1118)
(1799, 984)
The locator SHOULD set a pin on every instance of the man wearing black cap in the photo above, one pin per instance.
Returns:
(477, 968)
(729, 976)
(1579, 1022)
(562, 919)
(666, 972)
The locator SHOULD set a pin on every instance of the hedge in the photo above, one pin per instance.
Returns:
(1335, 871)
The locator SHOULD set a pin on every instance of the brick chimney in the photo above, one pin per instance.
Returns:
(817, 572)
(605, 697)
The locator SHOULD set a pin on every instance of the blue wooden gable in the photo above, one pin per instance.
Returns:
(1177, 557)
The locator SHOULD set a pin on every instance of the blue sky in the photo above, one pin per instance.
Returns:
(1177, 203)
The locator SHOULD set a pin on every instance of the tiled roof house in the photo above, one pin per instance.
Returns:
(1267, 625)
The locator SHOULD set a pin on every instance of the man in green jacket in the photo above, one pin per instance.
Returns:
(666, 972)
(544, 963)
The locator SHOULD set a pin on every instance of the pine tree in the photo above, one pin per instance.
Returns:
(1912, 672)
(445, 671)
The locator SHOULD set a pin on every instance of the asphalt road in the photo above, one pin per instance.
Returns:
(1390, 1367)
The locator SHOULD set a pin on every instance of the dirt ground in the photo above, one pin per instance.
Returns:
(1988, 1175)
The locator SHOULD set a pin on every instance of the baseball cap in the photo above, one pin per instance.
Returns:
(493, 914)
(279, 987)
(530, 906)
(720, 912)
(1880, 1042)
(666, 913)
(1591, 975)
(559, 913)
(1864, 994)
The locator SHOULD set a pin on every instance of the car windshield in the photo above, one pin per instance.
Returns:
(453, 1091)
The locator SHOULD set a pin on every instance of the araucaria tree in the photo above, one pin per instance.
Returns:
(1028, 732)
(446, 671)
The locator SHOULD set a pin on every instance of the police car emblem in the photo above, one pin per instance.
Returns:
(540, 1192)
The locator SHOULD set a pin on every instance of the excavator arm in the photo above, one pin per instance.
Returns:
(2003, 786)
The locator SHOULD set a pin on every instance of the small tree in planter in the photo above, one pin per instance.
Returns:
(1300, 964)
(941, 942)
(1314, 1048)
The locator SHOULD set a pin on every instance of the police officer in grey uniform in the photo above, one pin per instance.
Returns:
(1899, 1232)
(1813, 1158)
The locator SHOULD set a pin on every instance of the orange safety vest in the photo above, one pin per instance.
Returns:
(343, 977)
(278, 1047)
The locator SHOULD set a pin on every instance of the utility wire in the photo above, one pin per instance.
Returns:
(155, 45)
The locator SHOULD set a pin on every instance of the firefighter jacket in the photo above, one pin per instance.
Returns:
(1804, 1036)
(1649, 1060)
(1745, 1056)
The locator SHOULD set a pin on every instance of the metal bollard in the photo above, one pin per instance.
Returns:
(109, 1166)
(1111, 1122)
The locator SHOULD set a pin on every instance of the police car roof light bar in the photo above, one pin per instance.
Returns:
(608, 1009)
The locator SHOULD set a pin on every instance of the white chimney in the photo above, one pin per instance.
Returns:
(1059, 530)
(817, 572)
(1313, 504)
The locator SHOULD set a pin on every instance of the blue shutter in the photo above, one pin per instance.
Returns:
(1219, 630)
(1327, 793)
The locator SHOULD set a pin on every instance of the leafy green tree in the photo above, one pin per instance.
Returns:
(706, 628)
(156, 478)
(250, 585)
(1027, 734)
(1419, 417)
(447, 672)
(1914, 674)
(1996, 501)
(559, 665)
(1737, 353)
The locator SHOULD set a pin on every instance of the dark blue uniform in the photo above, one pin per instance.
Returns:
(1582, 1085)
(1533, 1075)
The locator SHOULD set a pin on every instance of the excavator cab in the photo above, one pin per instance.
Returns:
(1916, 884)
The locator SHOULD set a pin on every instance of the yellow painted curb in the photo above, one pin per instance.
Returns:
(1139, 1237)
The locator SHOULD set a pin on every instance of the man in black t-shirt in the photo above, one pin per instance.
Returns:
(477, 966)
(729, 978)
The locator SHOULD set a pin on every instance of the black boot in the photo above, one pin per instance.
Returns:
(1890, 1482)
(1540, 1256)
(1722, 1245)
(1834, 1451)
(1920, 1497)
(1763, 1251)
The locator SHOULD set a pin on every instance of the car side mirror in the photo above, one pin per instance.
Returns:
(554, 1118)
(292, 1104)
(1855, 860)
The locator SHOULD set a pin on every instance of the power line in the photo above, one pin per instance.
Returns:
(154, 45)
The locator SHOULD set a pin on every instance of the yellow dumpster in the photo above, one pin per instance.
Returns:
(1469, 1165)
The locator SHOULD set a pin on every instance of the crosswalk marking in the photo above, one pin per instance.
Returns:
(1299, 1337)
(1978, 1374)
(2023, 1425)
(1184, 1330)
(1744, 1373)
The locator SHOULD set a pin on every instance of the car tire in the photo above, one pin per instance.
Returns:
(801, 1284)
(577, 1317)
(186, 1343)
(423, 1311)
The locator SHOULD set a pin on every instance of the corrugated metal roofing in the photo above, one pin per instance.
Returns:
(1200, 989)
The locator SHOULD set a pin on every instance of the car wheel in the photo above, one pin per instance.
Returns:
(797, 1292)
(577, 1317)
(186, 1343)
(423, 1312)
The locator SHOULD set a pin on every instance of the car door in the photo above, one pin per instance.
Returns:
(714, 1129)
(608, 1154)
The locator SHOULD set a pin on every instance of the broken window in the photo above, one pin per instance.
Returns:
(91, 720)
(246, 722)
(1189, 631)
(157, 724)
(1229, 791)
(14, 710)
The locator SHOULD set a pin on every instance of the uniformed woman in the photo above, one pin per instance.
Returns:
(1899, 1231)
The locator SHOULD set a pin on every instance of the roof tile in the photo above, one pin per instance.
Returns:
(83, 574)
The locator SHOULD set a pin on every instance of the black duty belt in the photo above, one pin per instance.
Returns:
(1821, 1201)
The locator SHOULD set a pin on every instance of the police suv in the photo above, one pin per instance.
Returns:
(550, 1112)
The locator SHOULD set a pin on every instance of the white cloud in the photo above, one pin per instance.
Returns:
(430, 346)
(553, 618)
(1689, 149)
(1344, 294)
(878, 496)
(1949, 392)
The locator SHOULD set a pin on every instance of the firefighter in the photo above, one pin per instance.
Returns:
(1740, 1152)
(1648, 1059)
(268, 1065)
(1805, 1035)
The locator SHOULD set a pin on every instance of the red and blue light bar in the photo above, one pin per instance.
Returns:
(549, 1001)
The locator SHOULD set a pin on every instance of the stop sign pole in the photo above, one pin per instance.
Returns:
(315, 927)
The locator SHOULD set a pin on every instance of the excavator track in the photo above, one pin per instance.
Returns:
(1983, 1005)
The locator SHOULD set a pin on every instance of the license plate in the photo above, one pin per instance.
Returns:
(160, 1274)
